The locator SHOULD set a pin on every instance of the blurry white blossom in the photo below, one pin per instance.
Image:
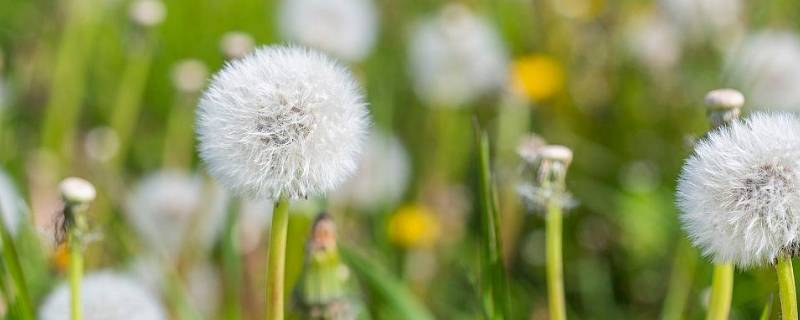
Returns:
(236, 44)
(147, 13)
(170, 209)
(13, 209)
(766, 67)
(456, 57)
(189, 75)
(654, 42)
(382, 176)
(704, 18)
(282, 121)
(101, 144)
(344, 28)
(738, 191)
(105, 295)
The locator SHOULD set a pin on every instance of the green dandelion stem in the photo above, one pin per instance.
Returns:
(277, 260)
(719, 305)
(786, 287)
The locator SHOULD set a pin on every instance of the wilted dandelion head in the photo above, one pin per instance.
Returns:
(169, 208)
(12, 206)
(766, 66)
(147, 13)
(76, 191)
(105, 295)
(738, 192)
(549, 164)
(282, 121)
(344, 28)
(456, 57)
(236, 44)
(189, 76)
(382, 175)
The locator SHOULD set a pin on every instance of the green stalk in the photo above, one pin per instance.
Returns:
(555, 273)
(680, 282)
(787, 293)
(75, 275)
(11, 259)
(277, 260)
(719, 305)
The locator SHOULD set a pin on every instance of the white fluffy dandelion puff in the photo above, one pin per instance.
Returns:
(456, 57)
(282, 121)
(738, 192)
(344, 28)
(106, 295)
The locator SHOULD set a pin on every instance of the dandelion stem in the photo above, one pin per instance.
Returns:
(277, 259)
(786, 287)
(555, 276)
(14, 268)
(719, 305)
(75, 275)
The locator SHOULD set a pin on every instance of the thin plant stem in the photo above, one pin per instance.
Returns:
(555, 273)
(276, 263)
(719, 305)
(786, 287)
(11, 259)
(75, 275)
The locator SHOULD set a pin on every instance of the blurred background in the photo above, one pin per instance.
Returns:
(106, 90)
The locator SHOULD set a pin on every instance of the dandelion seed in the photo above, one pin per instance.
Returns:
(456, 57)
(738, 191)
(282, 121)
(344, 28)
(105, 295)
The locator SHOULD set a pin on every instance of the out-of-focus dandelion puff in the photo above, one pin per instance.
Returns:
(101, 144)
(106, 295)
(12, 206)
(189, 76)
(766, 66)
(76, 190)
(654, 42)
(236, 44)
(413, 226)
(169, 208)
(344, 28)
(456, 57)
(738, 191)
(204, 288)
(382, 176)
(147, 13)
(282, 121)
(254, 219)
(702, 18)
(537, 76)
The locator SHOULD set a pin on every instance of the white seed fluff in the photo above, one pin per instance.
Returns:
(456, 57)
(105, 295)
(766, 66)
(738, 192)
(282, 121)
(344, 28)
(168, 209)
(382, 176)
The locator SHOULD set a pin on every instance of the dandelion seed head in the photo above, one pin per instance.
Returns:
(346, 29)
(456, 57)
(169, 208)
(282, 121)
(382, 176)
(189, 75)
(76, 190)
(724, 99)
(105, 295)
(236, 44)
(766, 66)
(738, 192)
(147, 13)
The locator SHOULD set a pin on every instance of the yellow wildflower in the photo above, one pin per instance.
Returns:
(537, 76)
(413, 226)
